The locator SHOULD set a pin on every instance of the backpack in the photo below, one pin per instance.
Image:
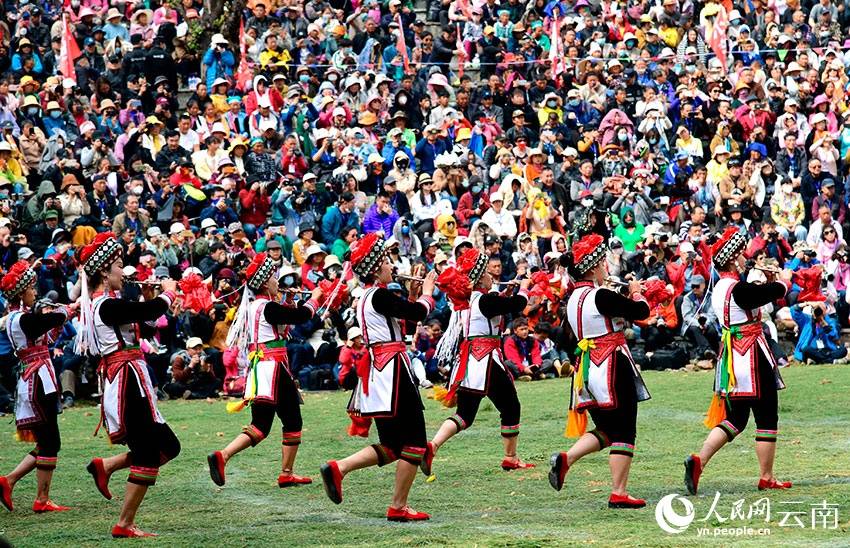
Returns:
(668, 357)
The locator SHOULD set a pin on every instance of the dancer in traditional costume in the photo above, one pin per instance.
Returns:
(37, 401)
(606, 382)
(746, 375)
(112, 328)
(260, 328)
(480, 370)
(387, 389)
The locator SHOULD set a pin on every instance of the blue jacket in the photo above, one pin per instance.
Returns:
(221, 218)
(218, 65)
(427, 153)
(389, 152)
(334, 221)
(810, 333)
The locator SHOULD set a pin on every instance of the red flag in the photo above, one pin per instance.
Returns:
(68, 52)
(718, 40)
(243, 72)
(401, 46)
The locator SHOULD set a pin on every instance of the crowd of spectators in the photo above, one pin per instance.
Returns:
(505, 125)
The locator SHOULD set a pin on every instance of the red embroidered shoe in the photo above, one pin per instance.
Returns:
(773, 484)
(48, 506)
(427, 459)
(6, 493)
(517, 464)
(560, 466)
(406, 514)
(288, 480)
(332, 479)
(130, 532)
(101, 479)
(625, 501)
(216, 463)
(693, 470)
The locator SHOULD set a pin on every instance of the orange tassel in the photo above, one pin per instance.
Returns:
(441, 394)
(716, 411)
(25, 436)
(576, 424)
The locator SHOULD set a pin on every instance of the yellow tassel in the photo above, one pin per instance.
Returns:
(236, 406)
(25, 436)
(441, 394)
(576, 424)
(716, 411)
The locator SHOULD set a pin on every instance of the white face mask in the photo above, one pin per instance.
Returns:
(787, 189)
(137, 190)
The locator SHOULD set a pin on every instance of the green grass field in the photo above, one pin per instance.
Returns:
(472, 501)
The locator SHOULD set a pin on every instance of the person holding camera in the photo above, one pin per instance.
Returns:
(700, 323)
(218, 60)
(192, 374)
(75, 206)
(771, 242)
(819, 338)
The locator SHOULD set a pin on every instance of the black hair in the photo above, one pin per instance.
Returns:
(519, 322)
(568, 261)
(543, 327)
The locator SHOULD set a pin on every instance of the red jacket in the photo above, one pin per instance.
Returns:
(255, 207)
(514, 352)
(297, 162)
(251, 101)
(676, 275)
(465, 211)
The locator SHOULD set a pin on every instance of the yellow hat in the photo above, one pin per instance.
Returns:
(30, 101)
(710, 9)
(463, 134)
(367, 119)
(153, 120)
(28, 80)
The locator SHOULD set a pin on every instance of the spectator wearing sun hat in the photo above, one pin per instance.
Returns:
(218, 59)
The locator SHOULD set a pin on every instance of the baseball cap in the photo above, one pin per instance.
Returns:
(233, 228)
(25, 253)
(192, 342)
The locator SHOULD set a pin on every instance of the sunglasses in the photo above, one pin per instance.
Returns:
(450, 223)
(825, 232)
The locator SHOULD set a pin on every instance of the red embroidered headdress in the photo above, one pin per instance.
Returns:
(588, 251)
(100, 253)
(472, 263)
(728, 247)
(19, 277)
(367, 253)
(259, 271)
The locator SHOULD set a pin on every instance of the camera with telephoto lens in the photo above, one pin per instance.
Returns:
(219, 311)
